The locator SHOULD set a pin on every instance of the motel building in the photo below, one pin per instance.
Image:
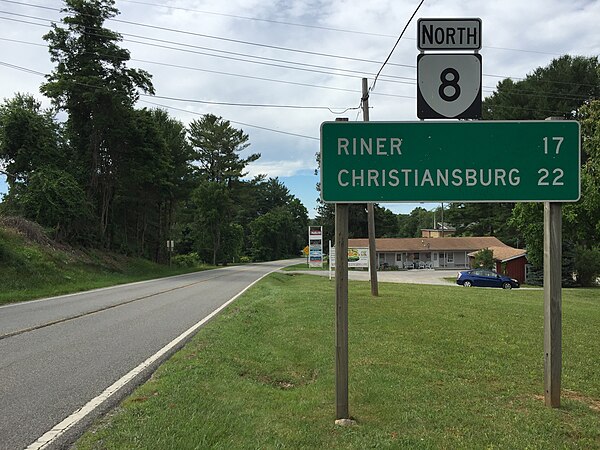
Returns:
(445, 253)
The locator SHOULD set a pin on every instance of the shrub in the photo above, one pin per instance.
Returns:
(484, 258)
(587, 266)
(189, 260)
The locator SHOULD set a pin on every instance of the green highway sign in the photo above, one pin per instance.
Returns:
(478, 161)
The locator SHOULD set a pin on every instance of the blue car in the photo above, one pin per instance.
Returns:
(485, 278)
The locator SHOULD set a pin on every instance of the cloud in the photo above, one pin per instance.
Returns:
(282, 168)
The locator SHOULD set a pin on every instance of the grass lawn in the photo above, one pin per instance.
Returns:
(430, 367)
(304, 266)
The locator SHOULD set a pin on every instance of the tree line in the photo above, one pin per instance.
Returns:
(568, 88)
(114, 176)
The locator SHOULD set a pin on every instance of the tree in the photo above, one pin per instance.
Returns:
(137, 215)
(587, 266)
(410, 225)
(484, 219)
(386, 222)
(217, 146)
(29, 138)
(484, 258)
(213, 211)
(558, 89)
(93, 84)
(52, 198)
(275, 235)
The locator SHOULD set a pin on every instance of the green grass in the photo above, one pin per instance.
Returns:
(304, 266)
(30, 270)
(430, 367)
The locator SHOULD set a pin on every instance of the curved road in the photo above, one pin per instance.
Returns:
(58, 354)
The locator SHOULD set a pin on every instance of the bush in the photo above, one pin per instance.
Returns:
(587, 266)
(189, 260)
(484, 259)
(245, 259)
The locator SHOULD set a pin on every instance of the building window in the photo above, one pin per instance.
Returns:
(398, 257)
(416, 256)
(450, 257)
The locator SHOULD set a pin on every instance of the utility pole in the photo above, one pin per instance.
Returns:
(370, 208)
(442, 219)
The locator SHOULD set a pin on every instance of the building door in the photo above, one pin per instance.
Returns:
(436, 259)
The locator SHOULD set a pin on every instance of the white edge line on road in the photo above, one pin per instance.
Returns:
(60, 428)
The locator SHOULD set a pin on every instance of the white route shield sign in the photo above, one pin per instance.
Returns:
(449, 86)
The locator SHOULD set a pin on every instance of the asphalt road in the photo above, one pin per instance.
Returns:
(58, 354)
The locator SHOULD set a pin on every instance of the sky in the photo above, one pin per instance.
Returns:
(297, 62)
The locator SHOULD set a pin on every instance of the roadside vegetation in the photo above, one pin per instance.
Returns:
(430, 367)
(34, 266)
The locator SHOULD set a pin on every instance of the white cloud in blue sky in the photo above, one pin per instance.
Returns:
(517, 38)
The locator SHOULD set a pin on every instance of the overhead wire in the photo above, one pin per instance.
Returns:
(395, 45)
(257, 19)
(396, 78)
(253, 43)
(280, 22)
(233, 121)
(254, 56)
(35, 72)
(276, 65)
(411, 82)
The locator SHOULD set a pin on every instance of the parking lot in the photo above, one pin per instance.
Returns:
(419, 276)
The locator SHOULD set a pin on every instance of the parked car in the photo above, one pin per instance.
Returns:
(485, 278)
(409, 265)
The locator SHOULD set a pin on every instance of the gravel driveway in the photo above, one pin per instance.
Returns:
(418, 276)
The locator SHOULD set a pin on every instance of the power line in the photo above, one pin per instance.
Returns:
(207, 102)
(279, 22)
(411, 82)
(35, 72)
(395, 77)
(251, 77)
(251, 43)
(233, 121)
(303, 25)
(487, 88)
(255, 105)
(24, 69)
(396, 44)
(220, 38)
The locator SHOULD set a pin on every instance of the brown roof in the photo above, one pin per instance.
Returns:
(504, 253)
(432, 244)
